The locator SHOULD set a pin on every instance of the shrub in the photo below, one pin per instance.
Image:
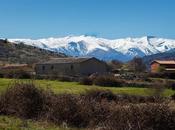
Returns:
(65, 78)
(137, 84)
(173, 96)
(23, 100)
(162, 75)
(173, 86)
(86, 81)
(19, 74)
(95, 109)
(136, 99)
(99, 95)
(40, 77)
(142, 116)
(1, 75)
(64, 108)
(167, 83)
(108, 81)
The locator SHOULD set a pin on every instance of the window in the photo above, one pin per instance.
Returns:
(43, 67)
(52, 67)
(71, 67)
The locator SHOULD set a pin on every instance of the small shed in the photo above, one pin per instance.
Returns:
(165, 65)
(71, 66)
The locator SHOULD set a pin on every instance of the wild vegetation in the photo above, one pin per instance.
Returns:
(97, 109)
(14, 123)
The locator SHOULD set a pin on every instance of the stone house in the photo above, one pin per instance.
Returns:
(71, 67)
(163, 65)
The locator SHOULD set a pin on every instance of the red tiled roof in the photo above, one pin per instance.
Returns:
(165, 62)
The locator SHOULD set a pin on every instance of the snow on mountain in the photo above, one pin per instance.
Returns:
(87, 46)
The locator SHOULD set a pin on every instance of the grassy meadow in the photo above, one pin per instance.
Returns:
(76, 88)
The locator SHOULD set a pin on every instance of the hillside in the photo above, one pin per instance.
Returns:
(104, 49)
(21, 53)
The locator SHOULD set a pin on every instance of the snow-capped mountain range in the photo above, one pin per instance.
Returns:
(104, 49)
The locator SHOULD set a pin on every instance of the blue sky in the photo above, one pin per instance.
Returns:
(102, 18)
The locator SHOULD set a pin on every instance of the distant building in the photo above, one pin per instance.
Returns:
(163, 65)
(71, 66)
(14, 66)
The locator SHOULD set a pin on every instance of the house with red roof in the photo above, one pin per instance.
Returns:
(163, 65)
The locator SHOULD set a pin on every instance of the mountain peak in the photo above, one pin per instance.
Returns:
(149, 37)
(86, 45)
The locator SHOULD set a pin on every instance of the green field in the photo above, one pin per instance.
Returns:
(76, 88)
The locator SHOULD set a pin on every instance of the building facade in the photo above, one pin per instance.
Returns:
(71, 67)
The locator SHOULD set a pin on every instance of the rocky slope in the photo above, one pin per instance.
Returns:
(21, 53)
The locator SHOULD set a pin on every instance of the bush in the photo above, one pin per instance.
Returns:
(65, 78)
(99, 95)
(23, 100)
(65, 109)
(86, 81)
(173, 86)
(162, 75)
(96, 109)
(1, 75)
(137, 84)
(173, 96)
(19, 74)
(167, 83)
(142, 116)
(108, 81)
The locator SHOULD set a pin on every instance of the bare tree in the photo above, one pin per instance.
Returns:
(137, 65)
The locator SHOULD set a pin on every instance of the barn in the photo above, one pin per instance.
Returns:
(163, 65)
(71, 66)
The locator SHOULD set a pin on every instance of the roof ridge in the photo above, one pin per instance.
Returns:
(67, 60)
(165, 61)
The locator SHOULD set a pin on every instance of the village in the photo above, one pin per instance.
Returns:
(87, 66)
(86, 70)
